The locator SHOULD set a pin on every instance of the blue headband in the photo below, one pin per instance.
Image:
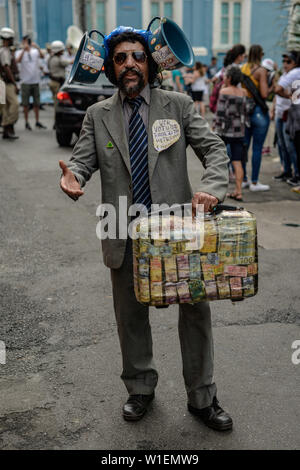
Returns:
(125, 29)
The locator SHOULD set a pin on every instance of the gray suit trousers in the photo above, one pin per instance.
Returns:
(195, 332)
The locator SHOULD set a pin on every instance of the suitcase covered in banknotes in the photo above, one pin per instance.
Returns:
(212, 260)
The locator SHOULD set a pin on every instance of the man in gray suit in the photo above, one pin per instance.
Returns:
(108, 142)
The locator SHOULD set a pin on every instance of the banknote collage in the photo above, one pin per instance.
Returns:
(170, 270)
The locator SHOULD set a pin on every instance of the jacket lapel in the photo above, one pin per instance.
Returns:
(114, 122)
(158, 103)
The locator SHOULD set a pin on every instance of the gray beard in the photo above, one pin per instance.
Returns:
(128, 89)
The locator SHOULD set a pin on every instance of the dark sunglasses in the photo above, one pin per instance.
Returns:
(286, 61)
(138, 56)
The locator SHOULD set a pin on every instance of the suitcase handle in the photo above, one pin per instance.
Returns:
(216, 210)
(223, 207)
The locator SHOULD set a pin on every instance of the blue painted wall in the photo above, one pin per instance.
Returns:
(267, 26)
(53, 17)
(197, 21)
(197, 24)
(187, 21)
(129, 13)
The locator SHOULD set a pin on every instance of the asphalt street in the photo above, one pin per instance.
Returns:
(60, 387)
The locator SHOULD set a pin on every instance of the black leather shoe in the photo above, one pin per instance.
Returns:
(8, 134)
(213, 416)
(28, 126)
(136, 406)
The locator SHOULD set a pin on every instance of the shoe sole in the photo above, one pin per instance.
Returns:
(227, 427)
(134, 418)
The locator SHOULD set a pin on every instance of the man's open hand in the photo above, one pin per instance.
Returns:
(206, 199)
(69, 183)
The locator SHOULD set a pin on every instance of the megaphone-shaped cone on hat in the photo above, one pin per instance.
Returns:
(169, 46)
(89, 60)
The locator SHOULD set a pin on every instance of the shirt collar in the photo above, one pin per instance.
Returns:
(145, 93)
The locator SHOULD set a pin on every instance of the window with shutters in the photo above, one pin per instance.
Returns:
(231, 24)
(162, 8)
(95, 11)
(27, 18)
(230, 31)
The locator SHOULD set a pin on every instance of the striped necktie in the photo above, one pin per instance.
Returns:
(138, 149)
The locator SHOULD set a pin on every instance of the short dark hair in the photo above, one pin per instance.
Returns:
(294, 56)
(129, 37)
(28, 38)
(234, 73)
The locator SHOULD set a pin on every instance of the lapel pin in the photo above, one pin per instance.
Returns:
(110, 145)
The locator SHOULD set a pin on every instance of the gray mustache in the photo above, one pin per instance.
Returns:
(132, 69)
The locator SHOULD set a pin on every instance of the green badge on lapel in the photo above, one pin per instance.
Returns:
(110, 145)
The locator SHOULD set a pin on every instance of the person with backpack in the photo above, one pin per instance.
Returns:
(235, 57)
(255, 81)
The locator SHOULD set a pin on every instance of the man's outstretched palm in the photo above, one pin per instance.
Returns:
(69, 183)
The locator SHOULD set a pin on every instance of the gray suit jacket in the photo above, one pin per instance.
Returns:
(169, 182)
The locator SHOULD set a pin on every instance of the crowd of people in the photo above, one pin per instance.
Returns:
(24, 70)
(244, 95)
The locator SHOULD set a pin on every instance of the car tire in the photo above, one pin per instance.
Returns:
(64, 138)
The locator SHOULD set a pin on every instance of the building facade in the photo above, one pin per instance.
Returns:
(212, 26)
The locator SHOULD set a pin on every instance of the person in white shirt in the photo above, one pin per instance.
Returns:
(198, 82)
(286, 148)
(28, 60)
(283, 89)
